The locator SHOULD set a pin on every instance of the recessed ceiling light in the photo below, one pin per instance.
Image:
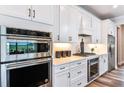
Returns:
(115, 6)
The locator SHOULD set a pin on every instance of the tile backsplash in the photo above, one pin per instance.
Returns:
(61, 47)
(75, 47)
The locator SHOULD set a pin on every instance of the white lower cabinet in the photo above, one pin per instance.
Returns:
(103, 65)
(73, 74)
(62, 79)
(79, 82)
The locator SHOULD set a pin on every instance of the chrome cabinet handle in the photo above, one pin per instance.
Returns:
(68, 74)
(79, 63)
(79, 72)
(29, 14)
(34, 13)
(62, 68)
(58, 37)
(79, 84)
(104, 60)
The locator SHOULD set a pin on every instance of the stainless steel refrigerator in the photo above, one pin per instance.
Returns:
(111, 52)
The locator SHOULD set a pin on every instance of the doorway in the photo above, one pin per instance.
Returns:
(120, 45)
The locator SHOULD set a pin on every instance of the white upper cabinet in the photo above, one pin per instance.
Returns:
(56, 27)
(64, 23)
(111, 28)
(70, 20)
(43, 13)
(38, 13)
(74, 24)
(108, 28)
(87, 21)
(21, 11)
(96, 28)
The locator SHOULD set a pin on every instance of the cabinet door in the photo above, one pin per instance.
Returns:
(56, 26)
(64, 23)
(105, 60)
(62, 79)
(86, 23)
(43, 13)
(74, 24)
(96, 27)
(103, 65)
(20, 11)
(70, 20)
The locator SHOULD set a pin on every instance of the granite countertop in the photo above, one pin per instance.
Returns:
(58, 61)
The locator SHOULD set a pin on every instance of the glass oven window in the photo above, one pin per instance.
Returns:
(12, 48)
(31, 76)
(94, 69)
(32, 47)
(43, 47)
(22, 47)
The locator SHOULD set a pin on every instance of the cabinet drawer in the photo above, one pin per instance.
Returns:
(77, 71)
(80, 82)
(61, 68)
(78, 63)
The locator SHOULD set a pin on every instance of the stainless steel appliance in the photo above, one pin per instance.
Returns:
(111, 52)
(30, 73)
(93, 68)
(20, 44)
(25, 57)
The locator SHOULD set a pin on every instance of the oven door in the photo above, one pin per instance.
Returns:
(26, 74)
(93, 70)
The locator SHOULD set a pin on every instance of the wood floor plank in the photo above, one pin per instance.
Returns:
(114, 78)
(97, 84)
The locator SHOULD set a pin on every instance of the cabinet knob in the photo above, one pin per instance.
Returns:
(79, 72)
(58, 37)
(62, 68)
(79, 84)
(97, 41)
(104, 60)
(79, 63)
(70, 38)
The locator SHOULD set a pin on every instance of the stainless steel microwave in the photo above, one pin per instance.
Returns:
(20, 44)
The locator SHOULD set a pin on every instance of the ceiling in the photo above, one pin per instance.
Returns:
(105, 11)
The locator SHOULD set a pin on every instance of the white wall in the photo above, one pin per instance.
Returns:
(118, 20)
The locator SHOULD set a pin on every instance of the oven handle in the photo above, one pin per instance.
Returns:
(29, 38)
(26, 63)
(26, 36)
(93, 63)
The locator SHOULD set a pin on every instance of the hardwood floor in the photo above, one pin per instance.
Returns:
(114, 78)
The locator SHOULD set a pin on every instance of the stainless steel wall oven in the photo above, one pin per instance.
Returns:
(19, 44)
(26, 57)
(31, 73)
